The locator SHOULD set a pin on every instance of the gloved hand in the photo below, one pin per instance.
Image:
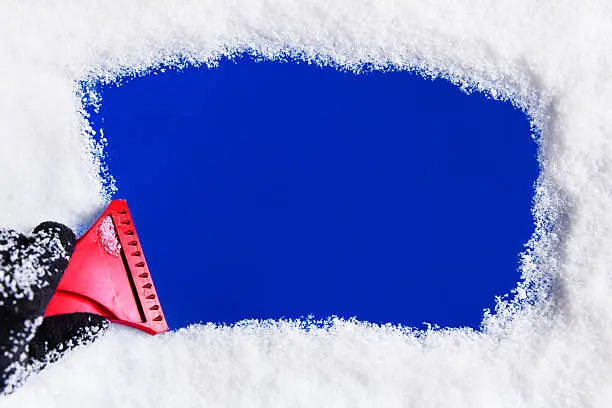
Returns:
(30, 270)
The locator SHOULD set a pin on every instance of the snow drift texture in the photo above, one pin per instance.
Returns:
(549, 342)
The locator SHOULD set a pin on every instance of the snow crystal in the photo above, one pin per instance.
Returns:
(551, 59)
(108, 236)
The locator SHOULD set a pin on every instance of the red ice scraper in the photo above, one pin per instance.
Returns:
(108, 275)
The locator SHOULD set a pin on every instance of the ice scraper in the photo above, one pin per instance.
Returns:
(108, 275)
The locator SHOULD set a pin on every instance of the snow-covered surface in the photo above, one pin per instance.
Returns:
(553, 59)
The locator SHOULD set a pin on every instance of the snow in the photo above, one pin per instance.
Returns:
(549, 347)
(108, 236)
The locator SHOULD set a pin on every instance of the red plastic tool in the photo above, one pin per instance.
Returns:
(108, 275)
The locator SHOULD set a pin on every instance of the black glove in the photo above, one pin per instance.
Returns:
(30, 270)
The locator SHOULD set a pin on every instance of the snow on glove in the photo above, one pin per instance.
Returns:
(30, 270)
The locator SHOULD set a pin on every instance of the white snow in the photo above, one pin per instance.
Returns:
(108, 236)
(553, 59)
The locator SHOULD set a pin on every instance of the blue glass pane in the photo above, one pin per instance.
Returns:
(269, 190)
